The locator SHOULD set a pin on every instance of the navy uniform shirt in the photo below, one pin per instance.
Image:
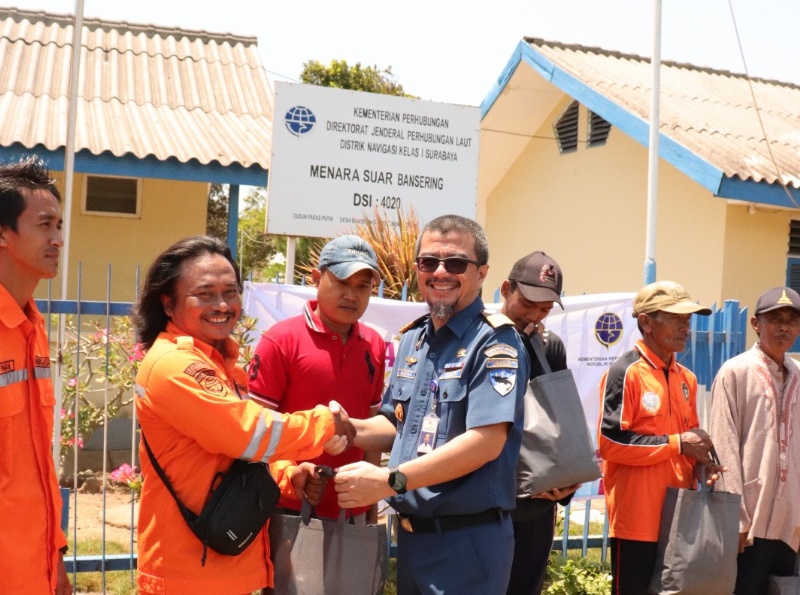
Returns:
(480, 368)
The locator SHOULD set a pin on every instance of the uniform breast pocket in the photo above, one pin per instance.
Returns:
(452, 408)
(401, 394)
(12, 400)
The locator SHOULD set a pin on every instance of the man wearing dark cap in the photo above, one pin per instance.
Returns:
(533, 286)
(305, 360)
(649, 437)
(755, 411)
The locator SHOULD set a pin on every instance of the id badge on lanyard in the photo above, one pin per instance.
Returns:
(430, 424)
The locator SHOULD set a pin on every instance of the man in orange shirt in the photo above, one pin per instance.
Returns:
(31, 541)
(649, 437)
(189, 400)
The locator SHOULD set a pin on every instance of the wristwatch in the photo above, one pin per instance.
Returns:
(397, 480)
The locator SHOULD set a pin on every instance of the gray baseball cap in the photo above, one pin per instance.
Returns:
(346, 255)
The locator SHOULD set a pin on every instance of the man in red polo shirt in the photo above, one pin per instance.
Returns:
(325, 353)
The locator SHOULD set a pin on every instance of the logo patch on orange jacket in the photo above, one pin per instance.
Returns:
(206, 377)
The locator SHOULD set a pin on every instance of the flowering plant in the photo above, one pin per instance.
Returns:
(93, 361)
(129, 476)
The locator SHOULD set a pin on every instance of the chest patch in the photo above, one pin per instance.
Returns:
(685, 390)
(651, 402)
(406, 373)
(205, 377)
(6, 366)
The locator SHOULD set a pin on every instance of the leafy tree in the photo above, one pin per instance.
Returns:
(355, 78)
(256, 249)
(217, 214)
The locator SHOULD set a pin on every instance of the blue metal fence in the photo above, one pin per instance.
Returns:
(715, 339)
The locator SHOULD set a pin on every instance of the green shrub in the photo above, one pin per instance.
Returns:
(577, 576)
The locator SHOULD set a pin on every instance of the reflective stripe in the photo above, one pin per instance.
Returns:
(12, 377)
(255, 441)
(275, 434)
(139, 390)
(42, 372)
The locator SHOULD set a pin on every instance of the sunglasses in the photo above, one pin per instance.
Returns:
(455, 265)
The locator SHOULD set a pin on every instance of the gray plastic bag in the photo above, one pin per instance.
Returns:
(698, 543)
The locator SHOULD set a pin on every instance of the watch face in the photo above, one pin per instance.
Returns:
(398, 481)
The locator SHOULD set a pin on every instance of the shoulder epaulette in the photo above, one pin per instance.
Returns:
(496, 319)
(414, 323)
(184, 342)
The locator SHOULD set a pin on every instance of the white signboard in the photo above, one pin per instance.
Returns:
(337, 155)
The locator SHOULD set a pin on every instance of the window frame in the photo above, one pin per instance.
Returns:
(84, 203)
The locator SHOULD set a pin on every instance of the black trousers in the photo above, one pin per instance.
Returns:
(756, 562)
(533, 542)
(632, 564)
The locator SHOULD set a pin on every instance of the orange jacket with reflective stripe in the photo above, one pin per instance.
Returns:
(30, 502)
(196, 425)
(645, 406)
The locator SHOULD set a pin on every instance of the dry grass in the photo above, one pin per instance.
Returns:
(394, 244)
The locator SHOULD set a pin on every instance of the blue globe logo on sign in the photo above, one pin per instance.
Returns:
(608, 329)
(300, 120)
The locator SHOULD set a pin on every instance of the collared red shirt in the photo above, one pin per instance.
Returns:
(299, 363)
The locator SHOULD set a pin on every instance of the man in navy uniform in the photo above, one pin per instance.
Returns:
(458, 379)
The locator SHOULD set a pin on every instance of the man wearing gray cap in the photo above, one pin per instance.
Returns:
(755, 409)
(649, 437)
(533, 286)
(303, 361)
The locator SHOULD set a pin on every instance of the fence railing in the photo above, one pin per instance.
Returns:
(714, 340)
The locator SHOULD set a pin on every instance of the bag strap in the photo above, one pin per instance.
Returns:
(187, 514)
(307, 510)
(714, 459)
(539, 351)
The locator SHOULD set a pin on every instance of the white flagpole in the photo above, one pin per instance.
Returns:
(69, 171)
(653, 149)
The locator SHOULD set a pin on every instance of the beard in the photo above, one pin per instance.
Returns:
(442, 312)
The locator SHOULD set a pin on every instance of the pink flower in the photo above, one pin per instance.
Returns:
(72, 383)
(101, 336)
(124, 474)
(138, 353)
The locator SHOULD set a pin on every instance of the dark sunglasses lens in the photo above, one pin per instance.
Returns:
(454, 266)
(428, 265)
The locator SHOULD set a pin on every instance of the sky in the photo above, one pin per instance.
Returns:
(453, 51)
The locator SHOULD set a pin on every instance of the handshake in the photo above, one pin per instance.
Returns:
(345, 432)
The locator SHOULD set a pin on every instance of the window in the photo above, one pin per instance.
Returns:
(597, 135)
(112, 196)
(566, 129)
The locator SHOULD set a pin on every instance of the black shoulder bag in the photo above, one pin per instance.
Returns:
(239, 503)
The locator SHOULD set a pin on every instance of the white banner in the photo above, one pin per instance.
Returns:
(337, 155)
(596, 329)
